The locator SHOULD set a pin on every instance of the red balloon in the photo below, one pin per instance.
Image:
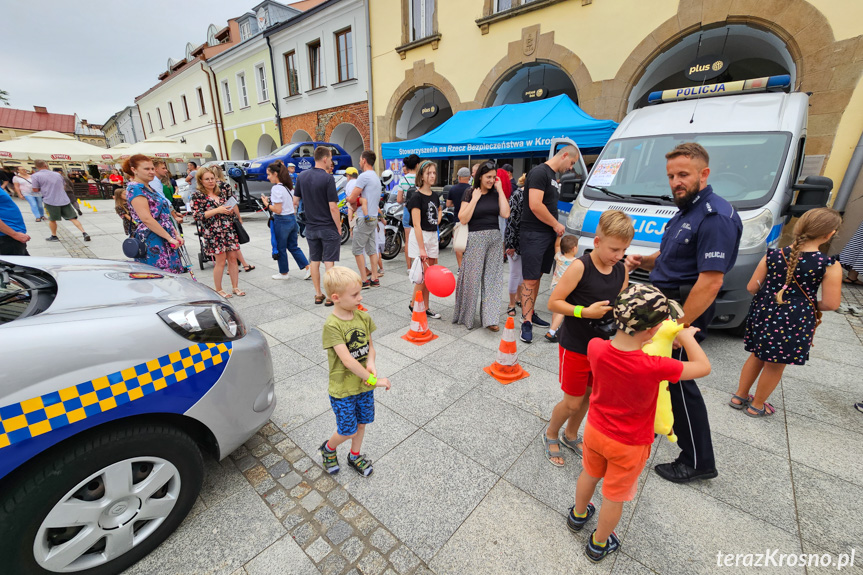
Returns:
(439, 281)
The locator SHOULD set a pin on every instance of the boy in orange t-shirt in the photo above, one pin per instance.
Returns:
(619, 430)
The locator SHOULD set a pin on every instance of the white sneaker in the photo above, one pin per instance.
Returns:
(280, 276)
(308, 275)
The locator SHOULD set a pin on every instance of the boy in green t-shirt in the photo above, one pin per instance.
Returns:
(347, 337)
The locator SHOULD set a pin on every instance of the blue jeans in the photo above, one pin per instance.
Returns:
(36, 206)
(286, 239)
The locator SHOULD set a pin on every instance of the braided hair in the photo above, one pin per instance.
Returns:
(813, 224)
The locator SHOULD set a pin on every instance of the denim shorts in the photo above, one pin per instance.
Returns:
(353, 410)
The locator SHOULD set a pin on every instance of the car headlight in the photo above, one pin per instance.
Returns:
(205, 322)
(575, 220)
(256, 165)
(756, 229)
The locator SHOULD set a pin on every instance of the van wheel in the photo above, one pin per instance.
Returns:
(99, 504)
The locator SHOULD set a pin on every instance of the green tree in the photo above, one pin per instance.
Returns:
(4, 97)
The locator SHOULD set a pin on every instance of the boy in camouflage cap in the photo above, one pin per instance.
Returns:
(618, 434)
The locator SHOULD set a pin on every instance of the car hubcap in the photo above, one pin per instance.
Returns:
(107, 514)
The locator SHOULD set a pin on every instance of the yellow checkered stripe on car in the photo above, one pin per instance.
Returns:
(66, 406)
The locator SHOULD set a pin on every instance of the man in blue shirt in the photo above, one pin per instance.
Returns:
(13, 232)
(698, 248)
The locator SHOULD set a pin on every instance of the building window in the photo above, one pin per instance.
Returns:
(201, 105)
(293, 73)
(226, 96)
(241, 90)
(171, 110)
(502, 5)
(261, 74)
(245, 30)
(315, 64)
(185, 107)
(345, 54)
(159, 114)
(150, 122)
(422, 18)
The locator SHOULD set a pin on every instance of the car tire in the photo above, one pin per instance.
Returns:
(91, 474)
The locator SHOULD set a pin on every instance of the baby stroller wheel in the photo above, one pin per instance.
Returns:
(201, 259)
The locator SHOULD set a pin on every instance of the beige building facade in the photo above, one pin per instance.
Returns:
(607, 55)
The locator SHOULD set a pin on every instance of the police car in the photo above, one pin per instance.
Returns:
(115, 378)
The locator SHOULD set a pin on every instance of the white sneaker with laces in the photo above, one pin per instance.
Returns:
(280, 276)
(308, 275)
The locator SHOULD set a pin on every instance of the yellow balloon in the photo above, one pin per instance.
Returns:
(661, 345)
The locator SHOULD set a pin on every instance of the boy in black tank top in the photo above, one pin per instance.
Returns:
(583, 295)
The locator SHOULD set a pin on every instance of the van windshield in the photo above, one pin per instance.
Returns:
(744, 167)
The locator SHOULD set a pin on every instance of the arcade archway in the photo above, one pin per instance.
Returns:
(266, 145)
(540, 79)
(301, 136)
(238, 151)
(422, 111)
(348, 137)
(212, 154)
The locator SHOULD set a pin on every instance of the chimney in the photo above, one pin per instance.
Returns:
(40, 109)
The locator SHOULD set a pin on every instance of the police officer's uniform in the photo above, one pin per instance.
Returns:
(703, 236)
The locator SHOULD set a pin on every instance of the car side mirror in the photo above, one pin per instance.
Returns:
(814, 192)
(570, 185)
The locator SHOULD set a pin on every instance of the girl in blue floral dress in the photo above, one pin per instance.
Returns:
(785, 310)
(151, 217)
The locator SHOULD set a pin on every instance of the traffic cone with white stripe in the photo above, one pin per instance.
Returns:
(506, 368)
(419, 332)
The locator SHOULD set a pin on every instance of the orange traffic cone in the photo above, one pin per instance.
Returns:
(361, 307)
(506, 368)
(419, 332)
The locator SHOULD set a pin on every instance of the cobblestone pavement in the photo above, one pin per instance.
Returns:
(461, 484)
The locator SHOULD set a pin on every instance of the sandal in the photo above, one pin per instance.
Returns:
(492, 327)
(849, 281)
(224, 294)
(859, 406)
(248, 268)
(328, 303)
(319, 299)
(744, 401)
(238, 292)
(572, 443)
(766, 411)
(510, 311)
(548, 454)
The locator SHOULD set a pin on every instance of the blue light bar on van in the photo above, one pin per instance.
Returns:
(766, 84)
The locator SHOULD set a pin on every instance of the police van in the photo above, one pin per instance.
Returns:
(755, 133)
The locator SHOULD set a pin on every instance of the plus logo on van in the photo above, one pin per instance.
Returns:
(647, 228)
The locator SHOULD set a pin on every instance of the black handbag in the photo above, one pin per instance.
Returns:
(133, 247)
(242, 234)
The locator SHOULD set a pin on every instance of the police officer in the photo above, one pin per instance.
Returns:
(698, 248)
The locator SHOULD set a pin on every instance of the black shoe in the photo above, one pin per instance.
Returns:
(596, 553)
(576, 524)
(86, 237)
(539, 321)
(431, 314)
(526, 332)
(550, 338)
(367, 285)
(678, 472)
(52, 239)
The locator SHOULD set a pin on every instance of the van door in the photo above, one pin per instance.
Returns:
(571, 181)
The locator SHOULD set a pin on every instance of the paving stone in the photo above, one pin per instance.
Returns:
(290, 480)
(352, 511)
(254, 441)
(261, 450)
(277, 437)
(300, 490)
(403, 559)
(318, 549)
(372, 564)
(275, 558)
(326, 516)
(271, 459)
(324, 484)
(383, 540)
(256, 475)
(339, 497)
(365, 523)
(265, 485)
(304, 534)
(339, 532)
(245, 463)
(333, 564)
(269, 429)
(311, 501)
(313, 472)
(286, 446)
(295, 455)
(303, 464)
(239, 453)
(280, 469)
(293, 519)
(352, 549)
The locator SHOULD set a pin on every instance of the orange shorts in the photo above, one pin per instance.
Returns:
(617, 463)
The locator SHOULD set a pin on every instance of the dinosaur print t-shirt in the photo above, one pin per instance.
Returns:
(357, 335)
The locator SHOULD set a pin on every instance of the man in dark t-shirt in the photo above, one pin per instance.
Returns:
(539, 230)
(317, 190)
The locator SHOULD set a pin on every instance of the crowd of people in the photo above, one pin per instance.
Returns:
(599, 320)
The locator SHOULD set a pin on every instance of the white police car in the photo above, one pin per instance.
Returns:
(114, 378)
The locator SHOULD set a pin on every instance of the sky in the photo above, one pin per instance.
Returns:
(93, 57)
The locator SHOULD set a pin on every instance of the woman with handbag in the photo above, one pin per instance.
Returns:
(215, 217)
(238, 223)
(281, 205)
(152, 225)
(481, 276)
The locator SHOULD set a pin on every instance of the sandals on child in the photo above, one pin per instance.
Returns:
(572, 443)
(744, 401)
(765, 411)
(548, 454)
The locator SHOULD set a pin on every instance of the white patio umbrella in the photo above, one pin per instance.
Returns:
(52, 146)
(170, 150)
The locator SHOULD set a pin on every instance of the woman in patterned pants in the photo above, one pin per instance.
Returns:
(481, 274)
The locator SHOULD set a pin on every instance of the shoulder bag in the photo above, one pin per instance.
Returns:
(242, 234)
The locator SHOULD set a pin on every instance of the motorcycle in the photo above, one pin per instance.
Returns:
(394, 231)
(447, 226)
(345, 225)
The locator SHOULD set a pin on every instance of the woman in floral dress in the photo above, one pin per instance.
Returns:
(216, 225)
(151, 217)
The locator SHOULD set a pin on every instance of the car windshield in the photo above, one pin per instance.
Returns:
(744, 167)
(282, 149)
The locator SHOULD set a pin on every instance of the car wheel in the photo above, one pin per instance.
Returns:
(99, 504)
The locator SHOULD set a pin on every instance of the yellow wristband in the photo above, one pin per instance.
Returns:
(371, 381)
(577, 310)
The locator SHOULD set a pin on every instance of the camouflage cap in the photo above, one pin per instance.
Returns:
(640, 307)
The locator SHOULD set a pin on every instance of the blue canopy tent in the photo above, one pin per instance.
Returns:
(512, 130)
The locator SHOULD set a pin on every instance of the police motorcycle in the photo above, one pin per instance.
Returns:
(392, 210)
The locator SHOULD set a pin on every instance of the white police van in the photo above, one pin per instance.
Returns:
(755, 134)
